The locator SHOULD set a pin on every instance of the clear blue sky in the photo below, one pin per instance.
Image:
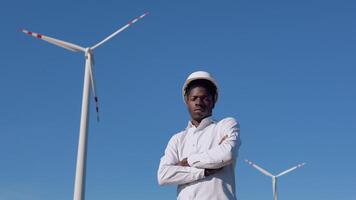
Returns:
(286, 71)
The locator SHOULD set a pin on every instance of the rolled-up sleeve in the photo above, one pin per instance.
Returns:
(222, 154)
(171, 173)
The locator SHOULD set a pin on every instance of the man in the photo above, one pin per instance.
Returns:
(201, 159)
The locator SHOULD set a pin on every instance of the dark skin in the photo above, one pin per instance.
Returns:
(200, 105)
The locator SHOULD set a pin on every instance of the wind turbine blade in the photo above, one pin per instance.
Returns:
(274, 187)
(63, 44)
(119, 30)
(291, 169)
(259, 168)
(90, 58)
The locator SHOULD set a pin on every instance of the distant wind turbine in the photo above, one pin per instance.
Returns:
(89, 80)
(274, 177)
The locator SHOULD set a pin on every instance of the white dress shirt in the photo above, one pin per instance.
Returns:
(203, 148)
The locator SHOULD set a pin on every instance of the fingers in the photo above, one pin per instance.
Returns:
(222, 139)
(209, 172)
(184, 163)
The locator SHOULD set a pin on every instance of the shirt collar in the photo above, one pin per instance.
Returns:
(203, 124)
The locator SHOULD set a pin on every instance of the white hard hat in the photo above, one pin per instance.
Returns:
(200, 75)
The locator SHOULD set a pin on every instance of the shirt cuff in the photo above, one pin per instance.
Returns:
(193, 160)
(198, 173)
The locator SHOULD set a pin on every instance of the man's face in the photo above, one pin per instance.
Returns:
(200, 103)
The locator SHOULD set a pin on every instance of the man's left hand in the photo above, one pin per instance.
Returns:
(184, 163)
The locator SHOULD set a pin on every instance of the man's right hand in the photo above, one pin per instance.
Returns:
(209, 172)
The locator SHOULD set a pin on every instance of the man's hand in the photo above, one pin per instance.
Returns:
(222, 139)
(209, 172)
(184, 163)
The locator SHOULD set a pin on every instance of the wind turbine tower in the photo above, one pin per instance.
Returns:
(274, 177)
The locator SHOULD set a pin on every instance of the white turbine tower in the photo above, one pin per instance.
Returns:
(89, 80)
(274, 177)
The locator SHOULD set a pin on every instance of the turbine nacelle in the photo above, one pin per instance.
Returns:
(88, 50)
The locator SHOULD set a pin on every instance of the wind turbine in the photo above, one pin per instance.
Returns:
(89, 80)
(274, 177)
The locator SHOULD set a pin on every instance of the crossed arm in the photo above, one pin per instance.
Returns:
(197, 166)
